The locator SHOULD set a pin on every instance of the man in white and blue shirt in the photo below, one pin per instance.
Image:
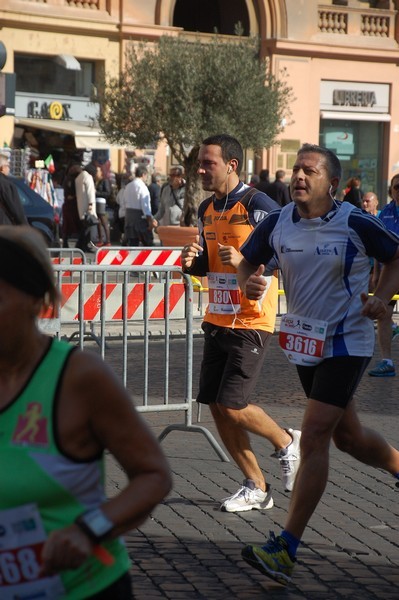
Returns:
(322, 248)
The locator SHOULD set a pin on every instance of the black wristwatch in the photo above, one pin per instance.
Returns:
(95, 524)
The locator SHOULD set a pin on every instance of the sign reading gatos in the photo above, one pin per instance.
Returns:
(48, 110)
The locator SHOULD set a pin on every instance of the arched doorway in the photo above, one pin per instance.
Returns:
(212, 16)
(266, 18)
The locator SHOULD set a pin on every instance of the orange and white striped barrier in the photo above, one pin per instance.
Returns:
(67, 261)
(143, 257)
(113, 304)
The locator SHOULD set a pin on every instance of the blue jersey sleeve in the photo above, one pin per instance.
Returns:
(257, 249)
(379, 242)
(259, 207)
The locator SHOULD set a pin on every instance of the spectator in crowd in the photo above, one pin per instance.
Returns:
(139, 221)
(61, 409)
(255, 179)
(353, 192)
(11, 209)
(103, 198)
(322, 248)
(389, 215)
(120, 210)
(71, 225)
(155, 192)
(86, 202)
(278, 190)
(237, 330)
(370, 203)
(263, 180)
(172, 198)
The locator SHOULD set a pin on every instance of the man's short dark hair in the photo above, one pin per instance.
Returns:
(230, 146)
(91, 169)
(264, 175)
(140, 171)
(332, 161)
(177, 169)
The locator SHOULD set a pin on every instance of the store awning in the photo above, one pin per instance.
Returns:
(68, 61)
(94, 143)
(85, 136)
(354, 116)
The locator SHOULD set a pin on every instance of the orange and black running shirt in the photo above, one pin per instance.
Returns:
(230, 222)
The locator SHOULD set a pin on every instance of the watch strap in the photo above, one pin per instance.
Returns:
(95, 524)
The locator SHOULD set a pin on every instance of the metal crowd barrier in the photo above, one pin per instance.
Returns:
(81, 307)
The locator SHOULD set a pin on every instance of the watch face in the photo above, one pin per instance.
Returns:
(97, 522)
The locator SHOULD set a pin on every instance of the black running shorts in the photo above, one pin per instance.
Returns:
(334, 380)
(231, 364)
(121, 589)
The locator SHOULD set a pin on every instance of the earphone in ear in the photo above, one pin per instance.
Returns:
(229, 170)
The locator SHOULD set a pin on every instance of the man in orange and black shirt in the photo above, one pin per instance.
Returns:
(237, 330)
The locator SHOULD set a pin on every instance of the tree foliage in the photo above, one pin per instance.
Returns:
(183, 90)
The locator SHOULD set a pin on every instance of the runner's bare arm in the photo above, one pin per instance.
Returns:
(97, 413)
(374, 306)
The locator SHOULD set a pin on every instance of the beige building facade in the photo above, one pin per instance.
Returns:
(341, 59)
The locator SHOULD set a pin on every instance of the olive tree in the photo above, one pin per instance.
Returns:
(182, 90)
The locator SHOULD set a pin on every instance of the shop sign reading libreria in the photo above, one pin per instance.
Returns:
(354, 96)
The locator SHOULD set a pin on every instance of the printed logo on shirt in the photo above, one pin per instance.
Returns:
(210, 235)
(31, 427)
(326, 250)
(207, 220)
(286, 249)
(239, 220)
(24, 525)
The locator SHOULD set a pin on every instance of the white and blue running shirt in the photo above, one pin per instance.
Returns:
(325, 267)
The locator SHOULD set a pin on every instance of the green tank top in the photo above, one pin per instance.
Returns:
(42, 490)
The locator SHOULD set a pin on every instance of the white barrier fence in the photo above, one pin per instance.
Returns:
(104, 295)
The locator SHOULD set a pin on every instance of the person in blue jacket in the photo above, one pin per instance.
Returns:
(390, 217)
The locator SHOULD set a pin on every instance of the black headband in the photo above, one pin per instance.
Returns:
(21, 269)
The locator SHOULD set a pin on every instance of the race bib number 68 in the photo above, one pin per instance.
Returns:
(21, 547)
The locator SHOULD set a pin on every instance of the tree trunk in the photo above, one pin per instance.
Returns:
(193, 194)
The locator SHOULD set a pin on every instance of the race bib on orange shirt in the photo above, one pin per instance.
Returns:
(224, 293)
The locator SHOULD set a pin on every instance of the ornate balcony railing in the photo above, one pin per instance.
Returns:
(347, 20)
(87, 4)
(333, 21)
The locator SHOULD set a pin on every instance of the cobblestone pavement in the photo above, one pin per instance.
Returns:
(190, 549)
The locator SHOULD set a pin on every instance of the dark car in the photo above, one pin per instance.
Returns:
(40, 214)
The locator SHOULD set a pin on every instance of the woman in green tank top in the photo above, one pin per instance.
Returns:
(56, 416)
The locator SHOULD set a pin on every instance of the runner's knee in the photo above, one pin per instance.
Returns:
(345, 441)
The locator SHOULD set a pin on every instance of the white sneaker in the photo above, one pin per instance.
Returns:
(289, 459)
(247, 498)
